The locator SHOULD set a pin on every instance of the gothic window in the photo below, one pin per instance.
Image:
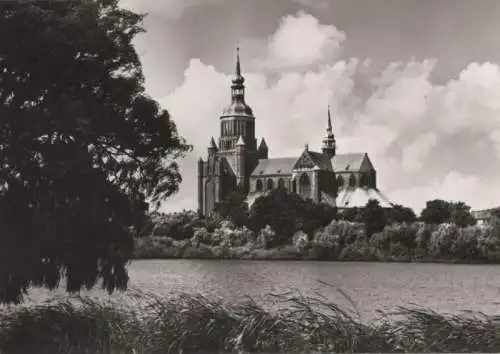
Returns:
(258, 186)
(270, 184)
(294, 186)
(281, 183)
(352, 181)
(305, 186)
(340, 181)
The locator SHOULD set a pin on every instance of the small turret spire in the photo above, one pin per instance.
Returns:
(329, 127)
(240, 141)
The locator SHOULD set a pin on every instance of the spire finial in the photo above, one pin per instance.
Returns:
(238, 67)
(329, 127)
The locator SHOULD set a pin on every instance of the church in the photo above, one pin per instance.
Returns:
(236, 163)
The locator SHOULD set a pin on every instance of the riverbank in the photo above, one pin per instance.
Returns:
(193, 323)
(162, 248)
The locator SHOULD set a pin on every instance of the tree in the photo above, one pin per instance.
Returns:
(82, 148)
(373, 217)
(460, 214)
(287, 213)
(234, 208)
(439, 211)
(400, 214)
(436, 211)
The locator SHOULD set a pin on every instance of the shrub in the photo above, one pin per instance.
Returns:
(266, 238)
(301, 241)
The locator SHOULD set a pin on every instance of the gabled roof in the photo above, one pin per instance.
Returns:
(321, 160)
(275, 166)
(351, 162)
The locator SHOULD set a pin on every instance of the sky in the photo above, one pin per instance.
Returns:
(414, 83)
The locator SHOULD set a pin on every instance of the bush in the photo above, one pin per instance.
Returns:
(266, 238)
(301, 241)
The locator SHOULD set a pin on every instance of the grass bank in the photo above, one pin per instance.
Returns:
(195, 324)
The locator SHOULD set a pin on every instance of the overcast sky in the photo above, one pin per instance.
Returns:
(415, 83)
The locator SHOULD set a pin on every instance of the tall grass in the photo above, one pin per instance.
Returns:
(197, 324)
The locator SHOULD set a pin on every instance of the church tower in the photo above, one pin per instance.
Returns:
(237, 119)
(329, 141)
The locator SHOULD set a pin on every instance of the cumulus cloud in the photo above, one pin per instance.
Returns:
(423, 138)
(301, 41)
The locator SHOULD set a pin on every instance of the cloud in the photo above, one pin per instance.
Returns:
(172, 9)
(301, 41)
(423, 138)
(416, 151)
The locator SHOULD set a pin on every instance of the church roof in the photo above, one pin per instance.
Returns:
(275, 166)
(237, 108)
(321, 160)
(351, 162)
(359, 196)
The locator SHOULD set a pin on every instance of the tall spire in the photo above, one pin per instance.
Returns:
(238, 78)
(329, 141)
(238, 66)
(329, 127)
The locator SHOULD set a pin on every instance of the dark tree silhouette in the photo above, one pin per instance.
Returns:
(399, 214)
(234, 208)
(439, 211)
(81, 147)
(374, 217)
(287, 213)
(436, 211)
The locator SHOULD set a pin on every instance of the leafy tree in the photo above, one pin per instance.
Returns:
(287, 213)
(440, 211)
(374, 217)
(460, 214)
(234, 208)
(399, 214)
(436, 211)
(82, 148)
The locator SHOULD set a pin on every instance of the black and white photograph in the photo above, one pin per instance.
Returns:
(249, 176)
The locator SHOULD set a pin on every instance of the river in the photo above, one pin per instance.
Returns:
(446, 288)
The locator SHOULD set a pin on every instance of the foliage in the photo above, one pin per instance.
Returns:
(81, 146)
(398, 214)
(374, 217)
(287, 213)
(438, 211)
(234, 208)
(352, 214)
(145, 323)
(182, 225)
(266, 238)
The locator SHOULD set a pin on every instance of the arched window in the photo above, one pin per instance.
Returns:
(352, 181)
(281, 183)
(258, 186)
(305, 186)
(340, 181)
(270, 184)
(294, 186)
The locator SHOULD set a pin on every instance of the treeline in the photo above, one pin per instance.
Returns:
(282, 225)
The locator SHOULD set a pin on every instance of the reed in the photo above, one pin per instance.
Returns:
(145, 323)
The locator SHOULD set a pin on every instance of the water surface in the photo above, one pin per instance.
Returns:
(447, 288)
